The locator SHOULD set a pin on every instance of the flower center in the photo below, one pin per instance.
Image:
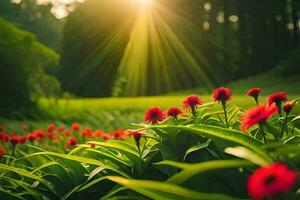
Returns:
(154, 115)
(270, 179)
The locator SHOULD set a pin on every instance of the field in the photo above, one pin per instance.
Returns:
(112, 113)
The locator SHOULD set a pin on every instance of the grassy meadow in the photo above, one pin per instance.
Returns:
(112, 113)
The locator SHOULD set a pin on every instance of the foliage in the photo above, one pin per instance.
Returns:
(32, 17)
(174, 159)
(23, 63)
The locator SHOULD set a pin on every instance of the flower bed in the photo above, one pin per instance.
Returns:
(190, 153)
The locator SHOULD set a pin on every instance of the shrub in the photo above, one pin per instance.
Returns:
(23, 64)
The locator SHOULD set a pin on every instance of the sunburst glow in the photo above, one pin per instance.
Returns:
(159, 49)
(145, 2)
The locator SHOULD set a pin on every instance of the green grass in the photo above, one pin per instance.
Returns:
(112, 113)
(269, 81)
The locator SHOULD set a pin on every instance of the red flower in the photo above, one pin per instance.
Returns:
(105, 137)
(4, 137)
(71, 142)
(98, 133)
(14, 140)
(174, 112)
(191, 102)
(118, 134)
(256, 115)
(40, 133)
(154, 115)
(22, 139)
(271, 181)
(254, 92)
(278, 98)
(136, 134)
(59, 129)
(67, 133)
(53, 137)
(288, 108)
(32, 137)
(222, 94)
(75, 127)
(86, 133)
(2, 152)
(51, 128)
(2, 127)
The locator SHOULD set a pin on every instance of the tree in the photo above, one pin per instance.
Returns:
(23, 62)
(34, 18)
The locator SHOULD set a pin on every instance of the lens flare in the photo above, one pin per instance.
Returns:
(144, 2)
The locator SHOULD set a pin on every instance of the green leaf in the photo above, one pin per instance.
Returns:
(196, 148)
(82, 160)
(27, 174)
(157, 190)
(226, 137)
(246, 154)
(191, 170)
(9, 195)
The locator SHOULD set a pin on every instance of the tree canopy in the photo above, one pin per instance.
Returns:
(23, 62)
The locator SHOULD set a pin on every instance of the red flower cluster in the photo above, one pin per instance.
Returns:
(191, 102)
(271, 181)
(254, 92)
(174, 112)
(87, 132)
(58, 134)
(256, 115)
(154, 115)
(278, 98)
(222, 94)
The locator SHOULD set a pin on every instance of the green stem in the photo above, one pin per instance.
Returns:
(140, 155)
(283, 126)
(279, 109)
(194, 113)
(256, 100)
(225, 113)
(263, 133)
(14, 150)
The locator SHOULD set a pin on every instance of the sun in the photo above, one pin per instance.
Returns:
(145, 2)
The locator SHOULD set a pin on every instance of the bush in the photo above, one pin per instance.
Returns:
(23, 62)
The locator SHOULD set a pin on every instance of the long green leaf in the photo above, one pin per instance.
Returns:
(191, 170)
(159, 190)
(82, 160)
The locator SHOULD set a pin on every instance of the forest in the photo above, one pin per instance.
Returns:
(149, 99)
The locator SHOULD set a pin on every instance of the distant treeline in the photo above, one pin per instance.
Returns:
(229, 39)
